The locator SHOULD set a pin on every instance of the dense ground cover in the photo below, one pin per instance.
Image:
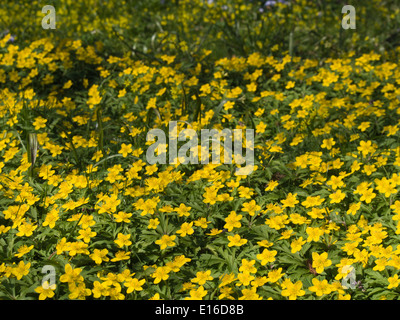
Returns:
(321, 203)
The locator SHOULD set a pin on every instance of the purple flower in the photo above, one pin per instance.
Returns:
(6, 32)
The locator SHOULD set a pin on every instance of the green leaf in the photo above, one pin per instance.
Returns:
(217, 111)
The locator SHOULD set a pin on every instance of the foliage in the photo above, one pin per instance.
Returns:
(77, 193)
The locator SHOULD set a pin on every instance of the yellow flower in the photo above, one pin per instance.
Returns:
(121, 93)
(155, 297)
(385, 186)
(226, 279)
(97, 155)
(320, 261)
(39, 123)
(202, 277)
(197, 294)
(271, 185)
(153, 223)
(100, 289)
(314, 234)
(260, 128)
(267, 256)
(244, 279)
(233, 221)
(121, 255)
(381, 264)
(210, 196)
(26, 229)
(94, 96)
(214, 232)
(250, 294)
(168, 59)
(393, 282)
(161, 273)
(151, 169)
(312, 202)
(134, 285)
(353, 208)
(248, 266)
(259, 281)
(166, 241)
(297, 244)
(122, 216)
(368, 195)
(71, 275)
(51, 219)
(252, 87)
(86, 221)
(369, 169)
(320, 287)
(251, 207)
(228, 105)
(290, 201)
(86, 234)
(78, 291)
(21, 270)
(366, 147)
(293, 290)
(364, 126)
(290, 84)
(186, 228)
(183, 210)
(99, 256)
(202, 223)
(236, 241)
(122, 240)
(23, 250)
(337, 197)
(226, 293)
(275, 275)
(328, 143)
(45, 291)
(125, 149)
